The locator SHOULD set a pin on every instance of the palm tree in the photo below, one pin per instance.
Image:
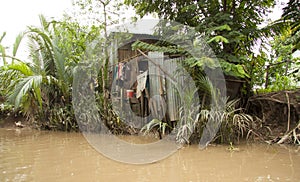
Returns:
(7, 74)
(42, 86)
(45, 79)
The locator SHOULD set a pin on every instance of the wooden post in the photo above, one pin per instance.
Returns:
(289, 112)
(142, 104)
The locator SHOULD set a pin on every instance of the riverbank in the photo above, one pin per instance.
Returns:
(276, 118)
(10, 121)
(270, 134)
(279, 112)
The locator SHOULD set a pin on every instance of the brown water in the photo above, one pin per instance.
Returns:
(29, 155)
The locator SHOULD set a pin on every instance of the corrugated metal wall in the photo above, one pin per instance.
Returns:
(161, 73)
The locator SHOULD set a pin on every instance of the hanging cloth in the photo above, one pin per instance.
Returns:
(141, 83)
(120, 71)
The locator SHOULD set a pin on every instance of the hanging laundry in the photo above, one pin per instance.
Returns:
(127, 71)
(116, 72)
(121, 71)
(141, 83)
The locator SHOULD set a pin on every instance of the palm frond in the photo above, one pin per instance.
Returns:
(155, 123)
(3, 54)
(30, 83)
(204, 84)
(36, 56)
(275, 28)
(59, 59)
(21, 67)
(2, 36)
(42, 39)
(43, 21)
(17, 43)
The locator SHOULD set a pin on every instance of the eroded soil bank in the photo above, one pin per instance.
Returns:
(279, 112)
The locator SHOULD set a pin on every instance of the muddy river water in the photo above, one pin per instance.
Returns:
(30, 155)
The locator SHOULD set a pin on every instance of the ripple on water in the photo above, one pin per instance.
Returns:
(30, 155)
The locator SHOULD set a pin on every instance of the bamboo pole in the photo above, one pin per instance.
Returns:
(152, 61)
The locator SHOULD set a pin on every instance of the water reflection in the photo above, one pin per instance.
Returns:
(30, 155)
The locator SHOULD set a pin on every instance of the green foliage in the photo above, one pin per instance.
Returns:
(42, 87)
(229, 123)
(2, 36)
(16, 45)
(231, 26)
(235, 70)
(160, 126)
(102, 13)
(291, 14)
(21, 67)
(228, 68)
(231, 29)
(30, 83)
(280, 83)
(2, 49)
(218, 39)
(60, 118)
(189, 114)
(279, 70)
(232, 123)
(284, 44)
(152, 47)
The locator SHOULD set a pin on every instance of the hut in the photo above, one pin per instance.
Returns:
(141, 87)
